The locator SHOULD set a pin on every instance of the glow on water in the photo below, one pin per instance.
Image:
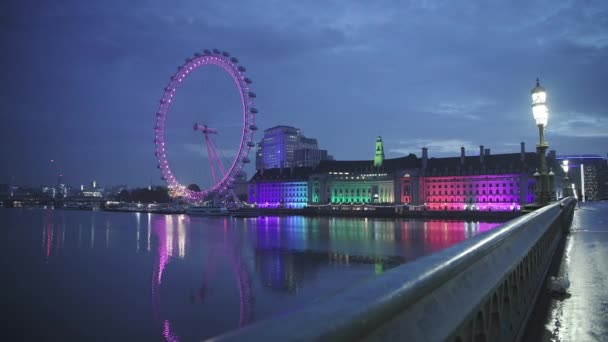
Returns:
(128, 276)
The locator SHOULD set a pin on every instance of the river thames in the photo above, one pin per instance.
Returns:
(95, 275)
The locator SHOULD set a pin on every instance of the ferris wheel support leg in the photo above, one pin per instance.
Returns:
(210, 159)
(238, 202)
(217, 159)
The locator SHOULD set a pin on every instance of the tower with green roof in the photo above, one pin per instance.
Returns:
(379, 156)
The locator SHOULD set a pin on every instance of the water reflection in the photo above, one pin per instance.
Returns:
(210, 275)
(170, 232)
(53, 234)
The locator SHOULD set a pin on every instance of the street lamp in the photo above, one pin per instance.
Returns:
(567, 188)
(541, 116)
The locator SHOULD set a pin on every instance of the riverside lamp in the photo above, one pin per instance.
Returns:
(567, 189)
(541, 116)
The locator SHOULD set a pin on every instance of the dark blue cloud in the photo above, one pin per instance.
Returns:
(83, 79)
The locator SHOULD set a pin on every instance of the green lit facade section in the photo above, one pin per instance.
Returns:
(314, 192)
(379, 156)
(361, 190)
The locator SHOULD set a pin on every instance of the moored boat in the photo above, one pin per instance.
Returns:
(207, 211)
(246, 212)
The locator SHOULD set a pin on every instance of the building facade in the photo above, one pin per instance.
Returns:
(280, 188)
(501, 182)
(286, 147)
(588, 174)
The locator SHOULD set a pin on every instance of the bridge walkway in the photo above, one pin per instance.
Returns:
(581, 314)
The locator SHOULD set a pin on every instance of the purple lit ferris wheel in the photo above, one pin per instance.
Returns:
(223, 178)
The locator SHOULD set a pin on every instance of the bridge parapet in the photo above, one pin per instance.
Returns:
(482, 289)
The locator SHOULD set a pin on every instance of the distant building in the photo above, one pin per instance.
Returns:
(480, 182)
(588, 172)
(241, 186)
(285, 147)
(309, 157)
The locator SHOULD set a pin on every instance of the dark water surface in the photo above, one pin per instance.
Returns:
(94, 275)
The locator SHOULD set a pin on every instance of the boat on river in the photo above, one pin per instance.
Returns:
(246, 212)
(196, 210)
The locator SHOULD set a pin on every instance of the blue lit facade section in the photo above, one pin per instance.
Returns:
(289, 194)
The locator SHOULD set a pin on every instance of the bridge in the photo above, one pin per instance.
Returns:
(483, 289)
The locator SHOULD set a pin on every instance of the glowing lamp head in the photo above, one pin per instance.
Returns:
(565, 165)
(539, 104)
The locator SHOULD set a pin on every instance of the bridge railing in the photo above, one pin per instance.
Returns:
(482, 289)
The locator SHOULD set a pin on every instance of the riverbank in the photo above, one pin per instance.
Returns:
(371, 212)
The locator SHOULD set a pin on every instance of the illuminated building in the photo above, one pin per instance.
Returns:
(360, 181)
(490, 182)
(593, 175)
(280, 188)
(484, 182)
(285, 147)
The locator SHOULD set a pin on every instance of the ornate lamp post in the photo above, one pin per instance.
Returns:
(541, 116)
(567, 189)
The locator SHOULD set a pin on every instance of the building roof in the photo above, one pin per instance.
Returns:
(283, 174)
(493, 163)
(389, 165)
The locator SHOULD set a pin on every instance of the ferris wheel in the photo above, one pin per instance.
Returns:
(223, 177)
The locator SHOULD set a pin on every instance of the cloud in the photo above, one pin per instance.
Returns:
(443, 74)
(445, 146)
(471, 110)
(201, 150)
(579, 125)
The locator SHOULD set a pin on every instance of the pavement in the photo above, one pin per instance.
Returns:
(582, 313)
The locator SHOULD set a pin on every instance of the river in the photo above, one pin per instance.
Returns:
(98, 276)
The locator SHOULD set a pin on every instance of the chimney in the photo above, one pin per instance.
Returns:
(462, 155)
(481, 154)
(523, 151)
(486, 152)
(425, 157)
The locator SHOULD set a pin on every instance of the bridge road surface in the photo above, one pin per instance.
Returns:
(581, 314)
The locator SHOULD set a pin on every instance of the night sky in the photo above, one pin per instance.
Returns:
(81, 80)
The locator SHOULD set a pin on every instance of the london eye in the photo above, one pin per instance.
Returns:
(223, 176)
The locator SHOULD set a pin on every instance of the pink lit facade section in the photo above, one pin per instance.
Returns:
(505, 192)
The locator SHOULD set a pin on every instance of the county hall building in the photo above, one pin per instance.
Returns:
(485, 181)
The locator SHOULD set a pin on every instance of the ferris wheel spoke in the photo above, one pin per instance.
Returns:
(210, 159)
(217, 159)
